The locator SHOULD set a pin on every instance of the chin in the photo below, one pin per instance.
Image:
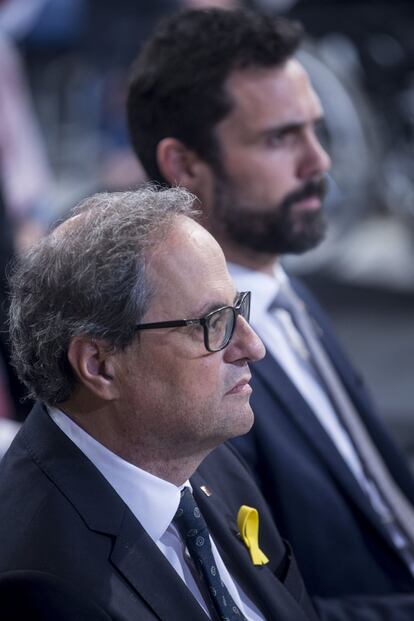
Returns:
(244, 423)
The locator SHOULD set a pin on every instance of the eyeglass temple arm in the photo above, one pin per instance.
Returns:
(169, 324)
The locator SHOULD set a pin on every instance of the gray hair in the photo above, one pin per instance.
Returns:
(87, 277)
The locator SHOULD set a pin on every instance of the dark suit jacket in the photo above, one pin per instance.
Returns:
(59, 515)
(340, 545)
(39, 596)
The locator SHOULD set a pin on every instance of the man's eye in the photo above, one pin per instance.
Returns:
(283, 137)
(274, 140)
(216, 321)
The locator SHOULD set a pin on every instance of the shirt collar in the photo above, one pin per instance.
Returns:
(152, 500)
(264, 287)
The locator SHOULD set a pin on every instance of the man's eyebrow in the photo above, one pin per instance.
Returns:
(284, 128)
(292, 126)
(212, 306)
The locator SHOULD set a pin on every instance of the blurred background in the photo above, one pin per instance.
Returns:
(63, 75)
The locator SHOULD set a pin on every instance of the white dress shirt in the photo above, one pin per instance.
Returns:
(154, 502)
(284, 342)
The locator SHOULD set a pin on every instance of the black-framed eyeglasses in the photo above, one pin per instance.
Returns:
(218, 325)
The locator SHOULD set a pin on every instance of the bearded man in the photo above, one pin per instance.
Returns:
(219, 104)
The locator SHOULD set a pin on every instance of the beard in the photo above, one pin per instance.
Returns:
(276, 230)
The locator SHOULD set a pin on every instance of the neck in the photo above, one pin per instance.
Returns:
(251, 259)
(169, 463)
(174, 470)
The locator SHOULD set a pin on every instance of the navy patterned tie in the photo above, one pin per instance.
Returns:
(194, 531)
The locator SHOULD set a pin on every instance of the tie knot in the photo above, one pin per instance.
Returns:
(287, 300)
(188, 518)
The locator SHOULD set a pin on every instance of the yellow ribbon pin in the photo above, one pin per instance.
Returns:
(248, 523)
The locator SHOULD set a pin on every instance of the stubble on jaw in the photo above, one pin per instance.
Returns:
(271, 231)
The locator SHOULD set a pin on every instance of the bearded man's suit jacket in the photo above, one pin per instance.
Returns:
(341, 547)
(59, 516)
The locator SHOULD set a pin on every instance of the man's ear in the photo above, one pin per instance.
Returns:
(93, 366)
(179, 165)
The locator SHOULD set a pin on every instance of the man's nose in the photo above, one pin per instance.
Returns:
(245, 343)
(315, 160)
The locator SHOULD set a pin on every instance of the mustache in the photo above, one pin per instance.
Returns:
(313, 188)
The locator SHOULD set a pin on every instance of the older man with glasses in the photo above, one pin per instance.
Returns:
(116, 492)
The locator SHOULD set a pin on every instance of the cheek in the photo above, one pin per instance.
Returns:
(202, 380)
(174, 375)
(265, 177)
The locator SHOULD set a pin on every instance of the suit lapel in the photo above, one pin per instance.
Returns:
(134, 553)
(277, 381)
(346, 372)
(144, 566)
(352, 382)
(258, 582)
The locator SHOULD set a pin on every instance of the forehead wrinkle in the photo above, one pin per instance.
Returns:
(189, 268)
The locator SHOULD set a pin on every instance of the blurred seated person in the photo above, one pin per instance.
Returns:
(25, 186)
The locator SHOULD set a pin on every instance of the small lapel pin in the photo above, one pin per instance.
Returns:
(206, 490)
(248, 523)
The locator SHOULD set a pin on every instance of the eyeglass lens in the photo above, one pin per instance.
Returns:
(220, 324)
